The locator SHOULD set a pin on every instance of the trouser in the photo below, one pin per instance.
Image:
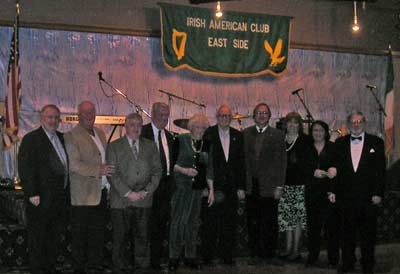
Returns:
(130, 226)
(218, 228)
(87, 234)
(262, 214)
(159, 219)
(44, 228)
(361, 217)
(322, 216)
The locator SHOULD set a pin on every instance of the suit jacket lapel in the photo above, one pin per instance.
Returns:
(219, 147)
(46, 141)
(364, 152)
(88, 137)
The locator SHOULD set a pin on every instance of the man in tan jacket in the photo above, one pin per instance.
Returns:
(86, 147)
(137, 174)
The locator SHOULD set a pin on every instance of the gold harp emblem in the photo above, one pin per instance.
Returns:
(180, 52)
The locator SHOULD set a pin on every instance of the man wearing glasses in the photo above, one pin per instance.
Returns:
(43, 168)
(361, 177)
(219, 221)
(266, 168)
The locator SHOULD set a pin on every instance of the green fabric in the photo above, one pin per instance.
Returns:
(237, 44)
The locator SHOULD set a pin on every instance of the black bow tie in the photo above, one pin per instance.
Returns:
(353, 138)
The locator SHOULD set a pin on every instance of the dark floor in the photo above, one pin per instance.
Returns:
(388, 261)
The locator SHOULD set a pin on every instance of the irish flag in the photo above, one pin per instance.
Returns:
(389, 109)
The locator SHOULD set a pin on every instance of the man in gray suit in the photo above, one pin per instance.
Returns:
(266, 168)
(137, 174)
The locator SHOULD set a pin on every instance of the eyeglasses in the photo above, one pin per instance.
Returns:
(262, 113)
(51, 117)
(224, 115)
(357, 122)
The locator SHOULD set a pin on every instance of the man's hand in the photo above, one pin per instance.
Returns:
(332, 197)
(332, 172)
(241, 194)
(143, 194)
(134, 196)
(278, 192)
(107, 170)
(191, 172)
(318, 173)
(210, 197)
(35, 200)
(376, 200)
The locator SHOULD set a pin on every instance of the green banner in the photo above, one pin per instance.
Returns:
(234, 45)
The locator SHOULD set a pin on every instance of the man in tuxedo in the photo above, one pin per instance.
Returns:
(137, 174)
(156, 132)
(361, 177)
(43, 169)
(266, 169)
(220, 220)
(86, 147)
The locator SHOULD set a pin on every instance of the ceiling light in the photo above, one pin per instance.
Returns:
(218, 10)
(355, 27)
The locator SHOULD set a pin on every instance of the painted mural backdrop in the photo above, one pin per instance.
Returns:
(61, 67)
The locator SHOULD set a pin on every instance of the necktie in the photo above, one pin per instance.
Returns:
(59, 149)
(62, 155)
(354, 138)
(134, 150)
(260, 130)
(162, 153)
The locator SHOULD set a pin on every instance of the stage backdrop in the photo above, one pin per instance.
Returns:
(61, 67)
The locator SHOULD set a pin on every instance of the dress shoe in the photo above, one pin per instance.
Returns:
(255, 261)
(208, 262)
(283, 256)
(55, 271)
(345, 269)
(294, 258)
(367, 271)
(173, 265)
(192, 264)
(228, 262)
(156, 267)
(274, 261)
(332, 266)
(311, 263)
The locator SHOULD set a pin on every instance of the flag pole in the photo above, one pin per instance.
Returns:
(16, 179)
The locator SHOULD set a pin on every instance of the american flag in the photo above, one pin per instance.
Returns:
(12, 101)
(389, 107)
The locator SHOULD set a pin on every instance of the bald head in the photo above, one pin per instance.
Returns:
(87, 114)
(224, 116)
(160, 115)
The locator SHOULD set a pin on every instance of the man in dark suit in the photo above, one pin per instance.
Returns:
(361, 177)
(155, 131)
(43, 169)
(266, 169)
(219, 220)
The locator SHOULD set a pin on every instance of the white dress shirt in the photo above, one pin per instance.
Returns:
(164, 143)
(356, 148)
(99, 144)
(225, 141)
(262, 129)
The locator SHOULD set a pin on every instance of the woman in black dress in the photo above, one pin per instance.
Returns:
(320, 175)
